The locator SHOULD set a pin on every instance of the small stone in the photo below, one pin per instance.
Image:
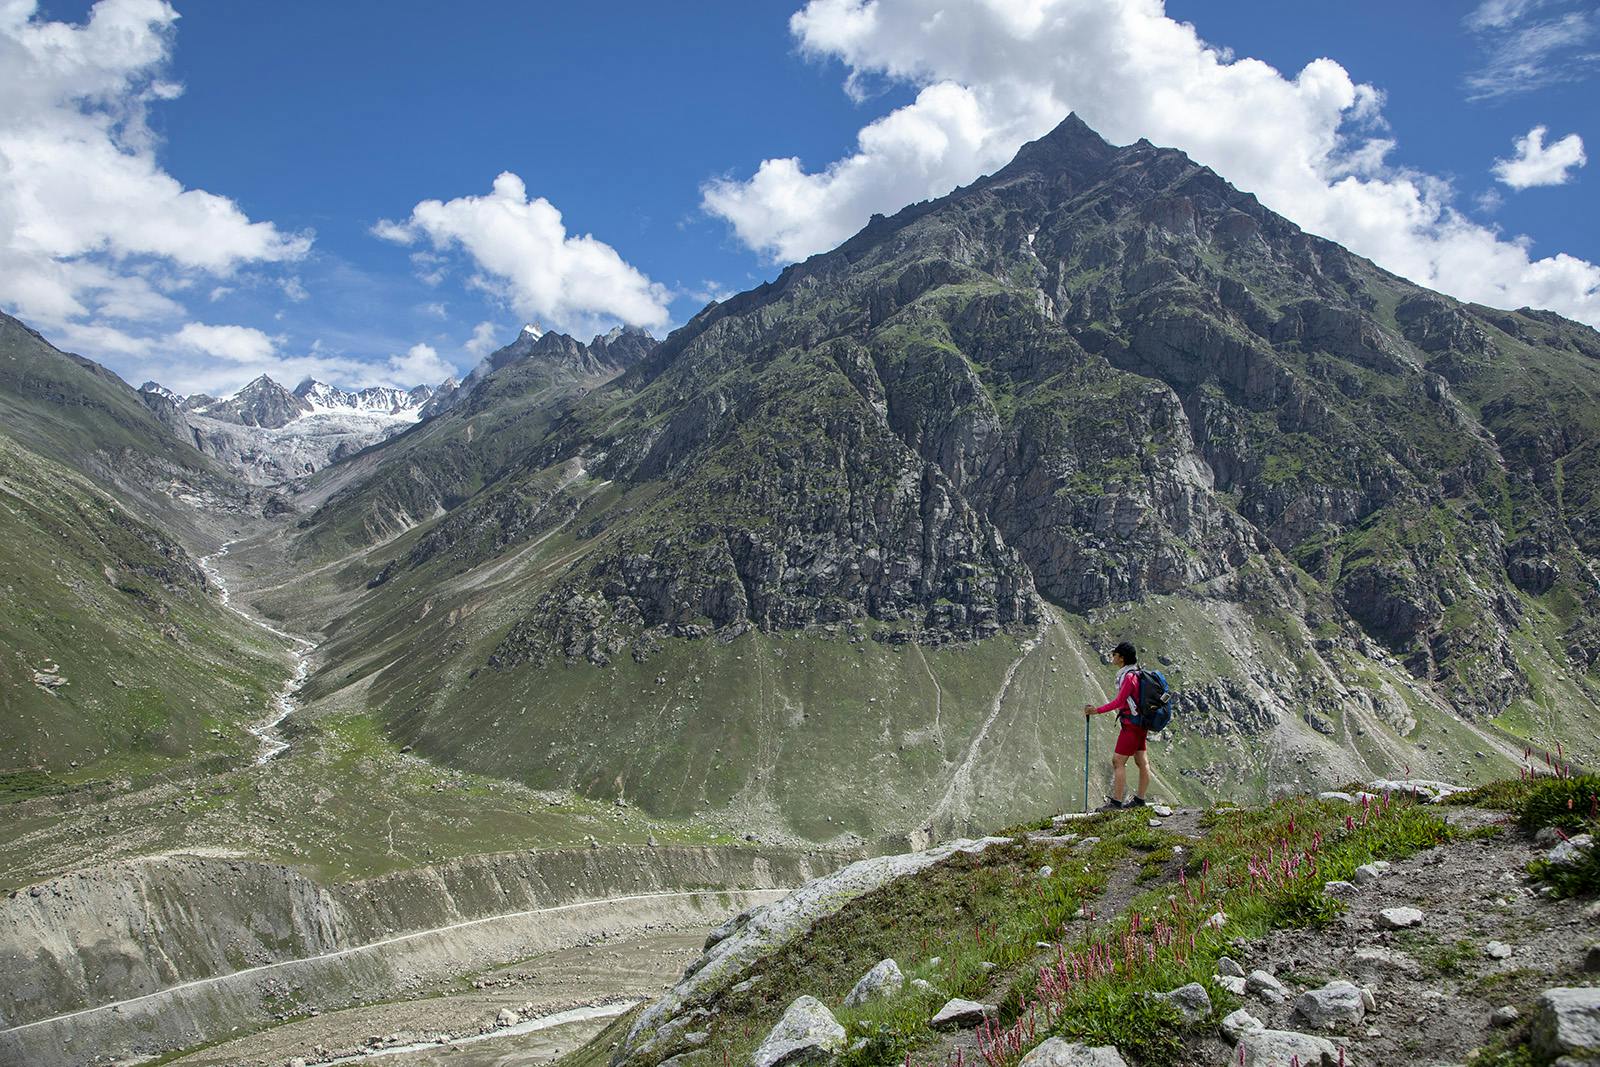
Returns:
(1154, 823)
(507, 1017)
(1265, 986)
(1229, 966)
(807, 1033)
(1046, 871)
(1338, 888)
(883, 980)
(1571, 850)
(958, 1014)
(1369, 998)
(1239, 1023)
(1370, 872)
(1505, 1015)
(1335, 1006)
(1232, 983)
(1399, 918)
(1059, 1052)
(1497, 950)
(1192, 1001)
(1161, 810)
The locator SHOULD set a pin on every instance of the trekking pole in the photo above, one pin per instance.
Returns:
(1086, 763)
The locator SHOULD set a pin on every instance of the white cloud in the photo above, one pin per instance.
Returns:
(1523, 53)
(525, 256)
(92, 230)
(995, 73)
(236, 344)
(483, 341)
(420, 364)
(1539, 164)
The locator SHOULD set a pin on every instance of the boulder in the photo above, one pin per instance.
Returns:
(1335, 1006)
(1567, 1023)
(884, 980)
(1239, 1023)
(1232, 983)
(1229, 966)
(1285, 1048)
(958, 1014)
(1192, 1001)
(1399, 918)
(1059, 1052)
(807, 1033)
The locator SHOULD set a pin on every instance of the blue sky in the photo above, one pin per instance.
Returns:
(237, 190)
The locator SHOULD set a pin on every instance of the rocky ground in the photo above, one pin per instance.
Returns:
(1447, 952)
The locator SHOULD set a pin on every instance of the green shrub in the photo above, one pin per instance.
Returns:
(1567, 803)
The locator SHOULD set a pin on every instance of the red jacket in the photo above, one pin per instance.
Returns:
(1127, 699)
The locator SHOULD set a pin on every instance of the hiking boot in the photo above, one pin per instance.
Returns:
(1136, 802)
(1111, 804)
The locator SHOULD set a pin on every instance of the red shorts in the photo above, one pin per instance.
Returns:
(1130, 740)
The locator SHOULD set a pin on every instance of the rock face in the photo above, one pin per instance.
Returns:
(1567, 1023)
(883, 980)
(807, 1033)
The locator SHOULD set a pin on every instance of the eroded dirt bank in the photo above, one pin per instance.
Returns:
(158, 954)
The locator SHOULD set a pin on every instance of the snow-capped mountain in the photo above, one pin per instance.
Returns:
(271, 434)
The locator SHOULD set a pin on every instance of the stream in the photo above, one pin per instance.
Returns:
(283, 702)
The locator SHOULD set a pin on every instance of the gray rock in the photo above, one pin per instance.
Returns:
(1239, 1023)
(1546, 837)
(1264, 985)
(1059, 1052)
(1335, 1006)
(1046, 871)
(1162, 810)
(1497, 950)
(807, 1033)
(1504, 1015)
(1338, 888)
(1591, 958)
(1571, 850)
(1370, 872)
(1232, 983)
(748, 983)
(1369, 999)
(1334, 794)
(883, 980)
(958, 1014)
(1229, 966)
(696, 1038)
(1427, 790)
(1399, 918)
(1567, 1022)
(1285, 1048)
(1192, 1001)
(507, 1017)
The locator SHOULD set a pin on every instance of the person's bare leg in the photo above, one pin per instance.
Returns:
(1141, 759)
(1119, 777)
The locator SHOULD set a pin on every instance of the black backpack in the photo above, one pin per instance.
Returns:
(1155, 701)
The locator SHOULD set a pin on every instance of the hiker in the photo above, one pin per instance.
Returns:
(1131, 739)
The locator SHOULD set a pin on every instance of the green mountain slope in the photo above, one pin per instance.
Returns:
(839, 553)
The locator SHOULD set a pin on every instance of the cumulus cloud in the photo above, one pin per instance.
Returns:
(1539, 164)
(218, 359)
(524, 255)
(421, 363)
(92, 230)
(995, 73)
